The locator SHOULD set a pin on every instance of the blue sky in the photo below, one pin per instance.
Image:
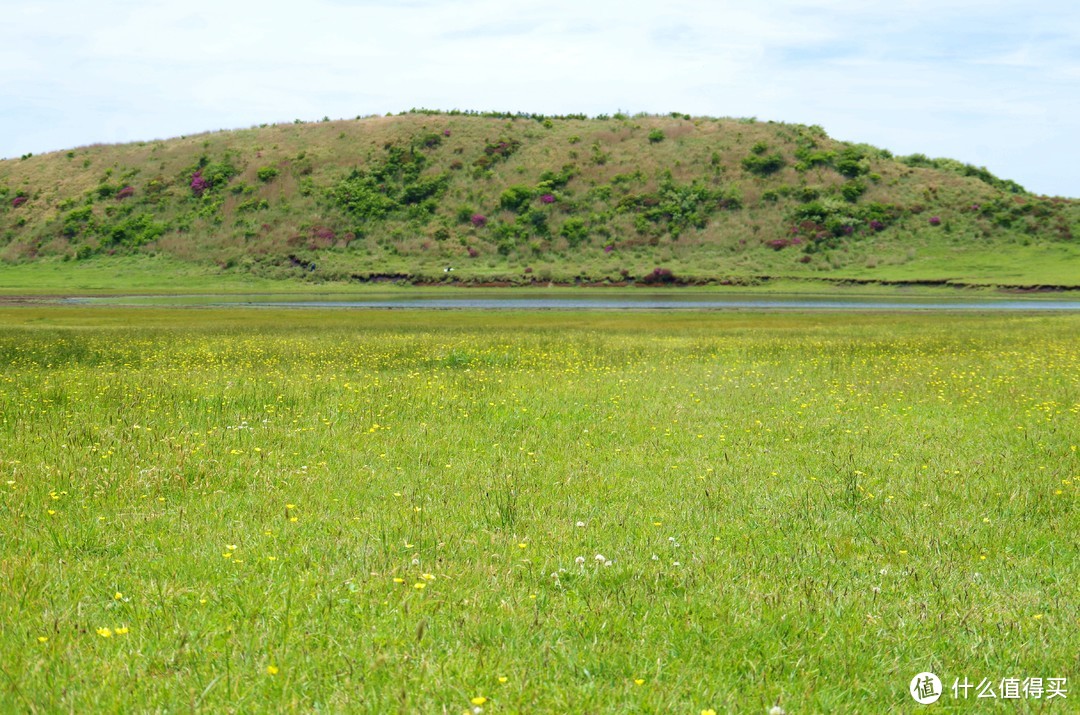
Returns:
(990, 83)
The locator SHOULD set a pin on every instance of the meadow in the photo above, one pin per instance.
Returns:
(215, 510)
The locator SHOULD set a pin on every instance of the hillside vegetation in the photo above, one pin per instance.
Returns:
(462, 197)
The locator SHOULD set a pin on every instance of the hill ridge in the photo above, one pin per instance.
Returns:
(457, 196)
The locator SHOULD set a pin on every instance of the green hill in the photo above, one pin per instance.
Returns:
(482, 198)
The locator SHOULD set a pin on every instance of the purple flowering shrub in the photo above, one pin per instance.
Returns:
(659, 276)
(935, 221)
(199, 185)
(479, 220)
(321, 237)
(547, 199)
(209, 175)
(124, 193)
(19, 201)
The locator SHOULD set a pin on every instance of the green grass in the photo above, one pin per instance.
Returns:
(803, 509)
(144, 275)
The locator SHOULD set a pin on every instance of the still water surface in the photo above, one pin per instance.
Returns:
(651, 301)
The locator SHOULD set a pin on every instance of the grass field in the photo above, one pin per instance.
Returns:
(256, 511)
(160, 275)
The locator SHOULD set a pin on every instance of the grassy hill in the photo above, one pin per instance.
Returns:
(464, 197)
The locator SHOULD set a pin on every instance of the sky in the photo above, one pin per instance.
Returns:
(990, 83)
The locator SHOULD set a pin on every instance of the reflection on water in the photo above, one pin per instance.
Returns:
(673, 303)
(649, 301)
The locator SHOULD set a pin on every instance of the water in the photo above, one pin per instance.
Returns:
(650, 302)
(585, 304)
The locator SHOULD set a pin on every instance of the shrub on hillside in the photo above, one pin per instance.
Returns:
(852, 163)
(809, 157)
(761, 165)
(550, 180)
(516, 198)
(659, 276)
(394, 185)
(209, 175)
(574, 230)
(822, 221)
(852, 190)
(676, 207)
(134, 231)
(534, 221)
(77, 221)
(497, 151)
(430, 140)
(199, 185)
(423, 188)
(362, 197)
